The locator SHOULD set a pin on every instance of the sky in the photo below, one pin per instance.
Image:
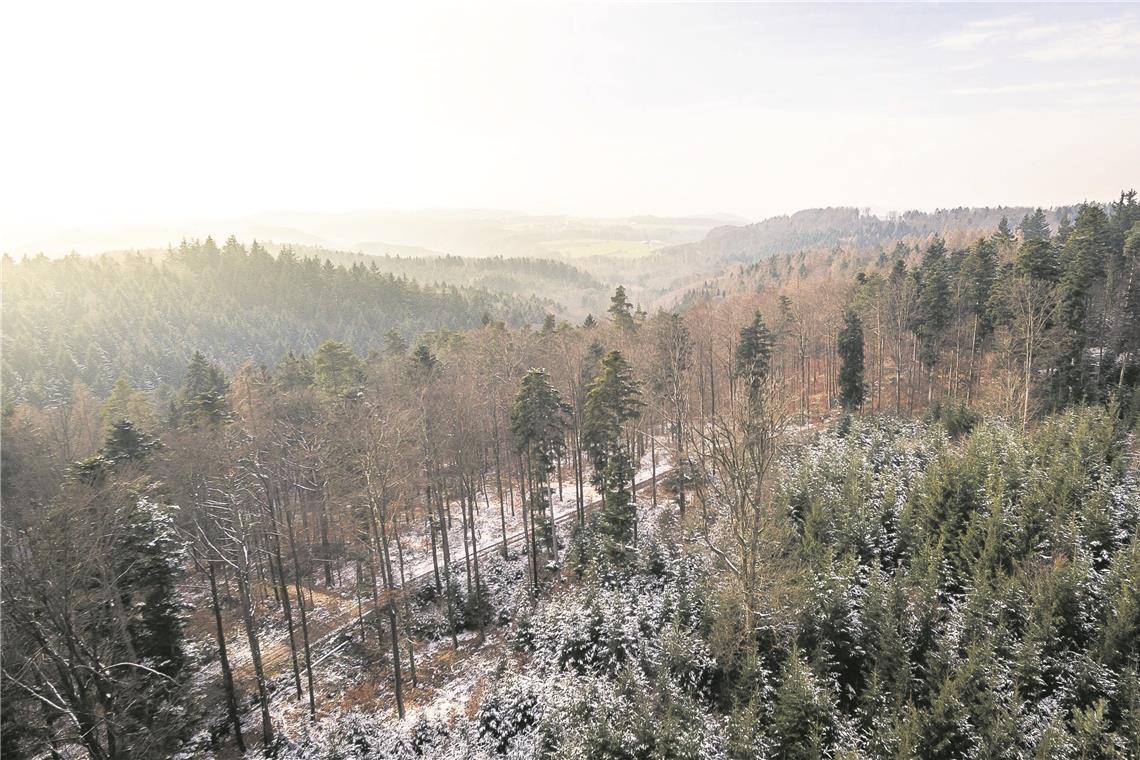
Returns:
(117, 112)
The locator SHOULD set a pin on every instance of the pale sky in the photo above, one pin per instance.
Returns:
(131, 112)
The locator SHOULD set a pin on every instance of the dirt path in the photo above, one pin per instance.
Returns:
(340, 614)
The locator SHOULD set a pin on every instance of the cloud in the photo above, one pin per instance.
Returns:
(966, 40)
(1098, 39)
(1048, 86)
(1106, 39)
(980, 31)
(999, 22)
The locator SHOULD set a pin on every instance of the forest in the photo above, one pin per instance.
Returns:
(849, 497)
(95, 319)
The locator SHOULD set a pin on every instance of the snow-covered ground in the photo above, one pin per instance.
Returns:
(452, 683)
(332, 611)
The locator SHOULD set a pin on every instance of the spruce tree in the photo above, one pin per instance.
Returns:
(395, 345)
(1086, 255)
(150, 556)
(1034, 226)
(127, 443)
(337, 372)
(621, 310)
(804, 715)
(203, 398)
(1037, 256)
(1128, 342)
(423, 361)
(537, 423)
(1004, 239)
(612, 400)
(933, 312)
(754, 355)
(294, 371)
(849, 345)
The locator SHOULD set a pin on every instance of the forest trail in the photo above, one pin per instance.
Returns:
(329, 631)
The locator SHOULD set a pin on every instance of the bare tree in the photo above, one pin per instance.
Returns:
(735, 452)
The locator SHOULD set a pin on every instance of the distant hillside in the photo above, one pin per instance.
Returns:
(675, 269)
(848, 227)
(573, 290)
(93, 319)
(460, 232)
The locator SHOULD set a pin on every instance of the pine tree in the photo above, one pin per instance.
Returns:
(1064, 227)
(1085, 260)
(150, 555)
(203, 398)
(537, 423)
(849, 345)
(1128, 342)
(803, 719)
(621, 310)
(294, 371)
(978, 274)
(1037, 256)
(933, 312)
(423, 361)
(337, 371)
(1004, 238)
(395, 345)
(126, 443)
(1034, 226)
(612, 400)
(754, 355)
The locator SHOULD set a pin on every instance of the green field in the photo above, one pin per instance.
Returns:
(585, 247)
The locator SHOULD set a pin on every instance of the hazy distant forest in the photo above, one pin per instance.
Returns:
(826, 486)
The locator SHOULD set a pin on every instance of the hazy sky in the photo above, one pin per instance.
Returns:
(139, 111)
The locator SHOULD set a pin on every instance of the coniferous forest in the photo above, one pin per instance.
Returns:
(866, 499)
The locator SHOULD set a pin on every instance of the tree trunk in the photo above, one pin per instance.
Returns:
(304, 617)
(973, 359)
(653, 466)
(286, 605)
(407, 611)
(434, 555)
(475, 562)
(223, 653)
(254, 651)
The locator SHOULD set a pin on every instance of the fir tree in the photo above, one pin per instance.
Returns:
(803, 716)
(423, 361)
(849, 345)
(126, 443)
(203, 397)
(337, 372)
(150, 555)
(294, 371)
(1037, 256)
(1086, 256)
(933, 308)
(621, 310)
(395, 345)
(612, 400)
(1004, 238)
(754, 355)
(537, 423)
